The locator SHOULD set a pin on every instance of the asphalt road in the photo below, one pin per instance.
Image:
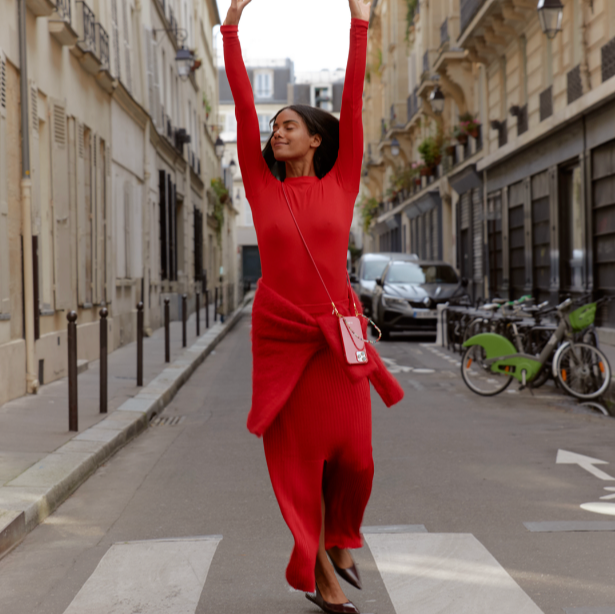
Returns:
(463, 471)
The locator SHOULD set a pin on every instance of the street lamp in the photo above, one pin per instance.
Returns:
(185, 60)
(550, 14)
(219, 148)
(395, 149)
(436, 99)
(233, 168)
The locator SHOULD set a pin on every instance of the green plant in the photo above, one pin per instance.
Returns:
(431, 150)
(468, 124)
(411, 6)
(221, 196)
(206, 104)
(369, 208)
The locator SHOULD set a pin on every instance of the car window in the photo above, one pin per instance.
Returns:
(372, 269)
(409, 273)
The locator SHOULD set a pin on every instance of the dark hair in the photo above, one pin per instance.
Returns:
(318, 122)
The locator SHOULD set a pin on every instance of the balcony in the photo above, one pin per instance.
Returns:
(468, 9)
(85, 49)
(60, 26)
(105, 78)
(414, 104)
(444, 35)
(41, 8)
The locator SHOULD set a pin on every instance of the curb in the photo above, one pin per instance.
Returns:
(32, 496)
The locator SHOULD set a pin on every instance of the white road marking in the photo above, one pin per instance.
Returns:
(445, 573)
(585, 462)
(424, 371)
(393, 367)
(599, 507)
(157, 577)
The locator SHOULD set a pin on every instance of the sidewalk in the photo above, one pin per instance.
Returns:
(42, 462)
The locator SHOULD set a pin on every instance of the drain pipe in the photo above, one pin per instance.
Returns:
(32, 383)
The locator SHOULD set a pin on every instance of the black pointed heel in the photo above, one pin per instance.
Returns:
(331, 608)
(350, 574)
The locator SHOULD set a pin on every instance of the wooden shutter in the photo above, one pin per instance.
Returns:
(108, 227)
(164, 257)
(34, 157)
(149, 55)
(98, 230)
(115, 33)
(5, 298)
(128, 228)
(156, 110)
(82, 215)
(127, 45)
(61, 208)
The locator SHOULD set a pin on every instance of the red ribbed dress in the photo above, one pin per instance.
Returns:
(321, 439)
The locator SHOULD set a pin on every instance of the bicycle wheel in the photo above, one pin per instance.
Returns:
(583, 371)
(478, 377)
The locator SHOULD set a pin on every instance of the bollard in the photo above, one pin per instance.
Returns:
(140, 344)
(73, 414)
(216, 305)
(206, 308)
(198, 314)
(167, 331)
(104, 380)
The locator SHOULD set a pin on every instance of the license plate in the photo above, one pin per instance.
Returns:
(426, 313)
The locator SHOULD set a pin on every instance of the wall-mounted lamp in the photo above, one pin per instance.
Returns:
(185, 60)
(436, 99)
(395, 148)
(550, 15)
(219, 146)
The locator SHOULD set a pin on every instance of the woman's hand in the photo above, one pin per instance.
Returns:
(360, 9)
(234, 12)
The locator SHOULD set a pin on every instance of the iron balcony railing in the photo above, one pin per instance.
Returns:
(444, 37)
(63, 9)
(467, 10)
(413, 104)
(88, 26)
(426, 61)
(103, 47)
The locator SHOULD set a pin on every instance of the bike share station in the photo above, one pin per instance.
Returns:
(506, 341)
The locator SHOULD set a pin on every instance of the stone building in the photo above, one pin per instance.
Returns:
(114, 208)
(525, 205)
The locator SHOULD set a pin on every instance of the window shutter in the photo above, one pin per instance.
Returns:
(82, 216)
(34, 157)
(5, 298)
(116, 39)
(61, 209)
(127, 228)
(127, 45)
(156, 109)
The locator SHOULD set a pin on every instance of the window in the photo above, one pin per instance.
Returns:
(264, 123)
(230, 123)
(263, 84)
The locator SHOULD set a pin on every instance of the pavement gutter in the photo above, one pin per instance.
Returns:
(32, 496)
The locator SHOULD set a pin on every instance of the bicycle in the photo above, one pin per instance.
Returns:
(491, 361)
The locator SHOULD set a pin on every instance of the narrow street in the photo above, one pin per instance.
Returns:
(459, 479)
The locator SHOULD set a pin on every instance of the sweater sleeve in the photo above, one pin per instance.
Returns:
(254, 169)
(350, 157)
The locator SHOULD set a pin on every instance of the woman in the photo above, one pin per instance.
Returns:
(312, 408)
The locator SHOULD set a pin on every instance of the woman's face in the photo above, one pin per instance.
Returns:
(291, 139)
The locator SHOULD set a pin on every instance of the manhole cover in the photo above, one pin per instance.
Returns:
(167, 420)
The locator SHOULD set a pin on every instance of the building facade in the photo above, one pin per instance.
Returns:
(519, 197)
(114, 207)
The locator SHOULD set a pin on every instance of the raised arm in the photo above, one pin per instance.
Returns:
(350, 155)
(254, 170)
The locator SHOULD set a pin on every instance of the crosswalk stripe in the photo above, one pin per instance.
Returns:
(158, 576)
(445, 573)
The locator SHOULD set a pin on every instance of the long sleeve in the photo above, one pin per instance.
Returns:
(254, 169)
(350, 155)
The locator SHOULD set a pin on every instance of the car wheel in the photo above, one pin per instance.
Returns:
(386, 333)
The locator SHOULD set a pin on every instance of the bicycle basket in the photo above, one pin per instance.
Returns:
(583, 317)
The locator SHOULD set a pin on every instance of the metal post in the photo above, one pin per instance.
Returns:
(140, 344)
(198, 313)
(167, 331)
(104, 385)
(184, 320)
(73, 412)
(206, 308)
(216, 305)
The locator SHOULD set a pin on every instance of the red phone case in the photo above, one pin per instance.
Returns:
(354, 346)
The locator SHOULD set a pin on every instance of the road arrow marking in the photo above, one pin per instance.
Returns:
(586, 462)
(393, 367)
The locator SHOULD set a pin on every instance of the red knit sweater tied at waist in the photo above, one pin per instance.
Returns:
(284, 340)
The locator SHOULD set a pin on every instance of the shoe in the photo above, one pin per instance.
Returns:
(350, 574)
(331, 608)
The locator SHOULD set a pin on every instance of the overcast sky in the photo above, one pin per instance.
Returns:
(312, 33)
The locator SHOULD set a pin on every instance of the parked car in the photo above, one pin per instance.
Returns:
(407, 294)
(368, 269)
